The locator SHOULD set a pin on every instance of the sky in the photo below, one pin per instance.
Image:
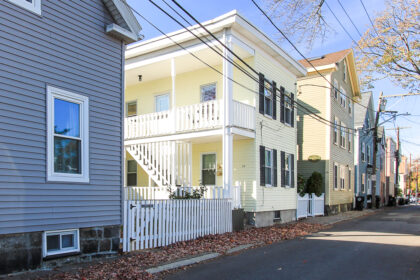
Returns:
(205, 10)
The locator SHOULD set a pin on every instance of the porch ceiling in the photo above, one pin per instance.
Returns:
(159, 66)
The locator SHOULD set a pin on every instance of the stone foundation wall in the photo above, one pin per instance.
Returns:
(335, 209)
(266, 218)
(23, 251)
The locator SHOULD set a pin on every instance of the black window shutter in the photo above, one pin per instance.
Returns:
(282, 104)
(293, 169)
(292, 117)
(283, 173)
(262, 166)
(261, 93)
(274, 91)
(274, 168)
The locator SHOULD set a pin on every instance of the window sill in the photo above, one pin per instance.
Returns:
(67, 179)
(61, 255)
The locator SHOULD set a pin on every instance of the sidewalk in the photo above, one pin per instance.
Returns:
(153, 264)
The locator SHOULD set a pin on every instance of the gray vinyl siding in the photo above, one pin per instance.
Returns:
(65, 47)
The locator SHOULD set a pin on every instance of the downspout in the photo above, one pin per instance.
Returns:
(122, 82)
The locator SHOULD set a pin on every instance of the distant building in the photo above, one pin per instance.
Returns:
(391, 166)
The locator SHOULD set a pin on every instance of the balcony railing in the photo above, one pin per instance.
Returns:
(201, 116)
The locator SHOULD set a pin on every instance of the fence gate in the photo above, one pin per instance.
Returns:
(310, 205)
(155, 223)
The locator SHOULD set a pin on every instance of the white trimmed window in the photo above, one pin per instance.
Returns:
(288, 110)
(350, 135)
(342, 177)
(342, 136)
(268, 98)
(269, 167)
(131, 108)
(287, 170)
(335, 134)
(335, 89)
(162, 102)
(131, 173)
(350, 104)
(60, 242)
(208, 92)
(208, 169)
(335, 176)
(31, 5)
(68, 136)
(343, 97)
(368, 153)
(345, 71)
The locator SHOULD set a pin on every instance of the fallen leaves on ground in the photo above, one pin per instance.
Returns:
(133, 265)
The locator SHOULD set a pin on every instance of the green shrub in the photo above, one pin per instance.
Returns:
(314, 184)
(301, 185)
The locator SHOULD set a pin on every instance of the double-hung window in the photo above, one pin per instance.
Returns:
(350, 104)
(208, 92)
(161, 102)
(131, 109)
(208, 169)
(335, 131)
(335, 90)
(268, 167)
(131, 173)
(335, 174)
(342, 177)
(368, 153)
(68, 136)
(349, 179)
(343, 136)
(350, 135)
(287, 170)
(343, 97)
(288, 110)
(344, 71)
(31, 5)
(268, 99)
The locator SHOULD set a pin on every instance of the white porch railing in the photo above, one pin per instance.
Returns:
(212, 192)
(243, 115)
(309, 205)
(155, 223)
(201, 116)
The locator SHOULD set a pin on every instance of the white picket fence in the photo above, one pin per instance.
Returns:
(155, 223)
(310, 205)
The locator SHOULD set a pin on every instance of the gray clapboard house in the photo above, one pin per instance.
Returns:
(61, 110)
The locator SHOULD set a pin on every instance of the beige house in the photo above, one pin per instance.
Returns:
(324, 148)
(189, 124)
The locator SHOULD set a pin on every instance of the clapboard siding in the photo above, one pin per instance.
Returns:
(66, 48)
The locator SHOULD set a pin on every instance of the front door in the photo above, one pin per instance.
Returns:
(208, 169)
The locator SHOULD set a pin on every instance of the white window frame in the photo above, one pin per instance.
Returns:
(160, 95)
(345, 71)
(349, 105)
(269, 97)
(75, 249)
(342, 136)
(128, 172)
(342, 178)
(34, 7)
(206, 85)
(335, 89)
(201, 166)
(126, 108)
(83, 101)
(343, 97)
(349, 136)
(289, 164)
(363, 183)
(288, 110)
(335, 176)
(335, 131)
(349, 173)
(271, 167)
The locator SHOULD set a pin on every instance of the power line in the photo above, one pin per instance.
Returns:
(371, 22)
(348, 16)
(304, 57)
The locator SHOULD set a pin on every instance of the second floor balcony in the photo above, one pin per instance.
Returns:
(189, 118)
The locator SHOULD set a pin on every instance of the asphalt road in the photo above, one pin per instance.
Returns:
(381, 246)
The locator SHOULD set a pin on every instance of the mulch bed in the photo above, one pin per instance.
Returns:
(133, 265)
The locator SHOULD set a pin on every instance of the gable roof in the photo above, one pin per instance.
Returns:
(328, 62)
(326, 59)
(233, 20)
(126, 26)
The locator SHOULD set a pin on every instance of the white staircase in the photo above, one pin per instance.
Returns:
(168, 163)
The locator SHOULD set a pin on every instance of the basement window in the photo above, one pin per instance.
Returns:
(60, 242)
(277, 215)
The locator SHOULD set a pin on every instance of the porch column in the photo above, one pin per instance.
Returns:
(173, 74)
(227, 117)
